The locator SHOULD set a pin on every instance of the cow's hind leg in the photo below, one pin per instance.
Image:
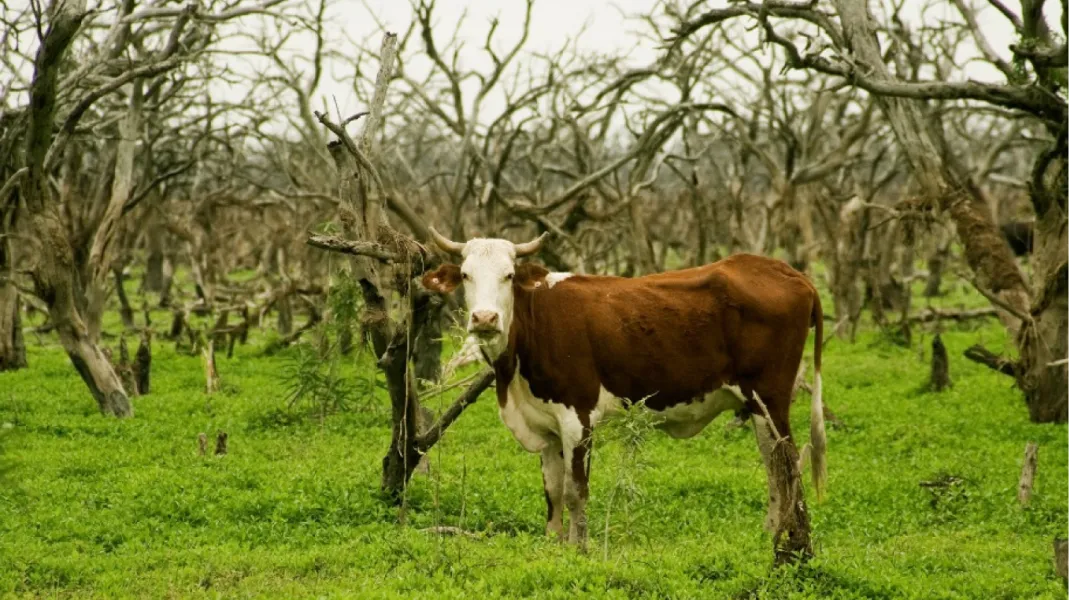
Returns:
(553, 473)
(575, 439)
(788, 517)
(766, 443)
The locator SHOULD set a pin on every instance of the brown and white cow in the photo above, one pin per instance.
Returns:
(570, 349)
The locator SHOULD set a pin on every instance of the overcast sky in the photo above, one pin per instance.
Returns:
(608, 28)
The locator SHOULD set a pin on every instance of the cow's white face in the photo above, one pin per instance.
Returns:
(487, 273)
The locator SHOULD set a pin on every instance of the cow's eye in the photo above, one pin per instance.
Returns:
(465, 276)
(508, 277)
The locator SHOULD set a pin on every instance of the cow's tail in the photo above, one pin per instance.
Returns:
(818, 440)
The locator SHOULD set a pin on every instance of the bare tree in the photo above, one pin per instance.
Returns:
(1036, 316)
(76, 86)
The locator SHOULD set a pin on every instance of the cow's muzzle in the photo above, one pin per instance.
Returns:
(485, 323)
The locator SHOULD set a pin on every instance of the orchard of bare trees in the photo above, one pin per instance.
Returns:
(202, 172)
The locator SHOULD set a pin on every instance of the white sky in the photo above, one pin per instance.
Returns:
(554, 22)
(607, 30)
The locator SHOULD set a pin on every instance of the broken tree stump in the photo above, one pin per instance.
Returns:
(1061, 558)
(220, 443)
(211, 374)
(202, 443)
(940, 377)
(143, 362)
(1028, 474)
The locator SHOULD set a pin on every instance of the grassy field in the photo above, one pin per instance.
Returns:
(95, 507)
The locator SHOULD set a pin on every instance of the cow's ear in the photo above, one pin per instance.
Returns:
(530, 276)
(443, 280)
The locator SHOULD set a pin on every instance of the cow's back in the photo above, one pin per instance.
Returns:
(668, 337)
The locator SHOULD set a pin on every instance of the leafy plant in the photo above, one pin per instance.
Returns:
(311, 378)
(629, 429)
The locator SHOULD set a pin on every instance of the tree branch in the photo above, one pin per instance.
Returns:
(337, 244)
(1031, 99)
(470, 395)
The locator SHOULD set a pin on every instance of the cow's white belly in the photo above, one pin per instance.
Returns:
(687, 420)
(535, 422)
(681, 420)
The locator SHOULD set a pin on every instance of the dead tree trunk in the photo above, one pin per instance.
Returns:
(153, 278)
(168, 280)
(54, 275)
(284, 309)
(845, 268)
(427, 344)
(378, 244)
(126, 312)
(12, 347)
(1044, 343)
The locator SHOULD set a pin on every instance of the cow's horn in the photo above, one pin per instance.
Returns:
(445, 243)
(530, 247)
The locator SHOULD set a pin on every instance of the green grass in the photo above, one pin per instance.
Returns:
(96, 507)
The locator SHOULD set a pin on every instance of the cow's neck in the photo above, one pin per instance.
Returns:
(506, 363)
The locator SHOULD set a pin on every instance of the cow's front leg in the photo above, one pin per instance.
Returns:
(553, 473)
(575, 439)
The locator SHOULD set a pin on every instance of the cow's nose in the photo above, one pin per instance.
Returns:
(483, 320)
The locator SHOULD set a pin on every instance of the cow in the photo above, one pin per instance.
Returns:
(568, 350)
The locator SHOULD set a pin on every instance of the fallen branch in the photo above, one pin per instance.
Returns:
(934, 314)
(978, 353)
(447, 530)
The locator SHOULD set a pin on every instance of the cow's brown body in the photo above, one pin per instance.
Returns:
(667, 338)
(690, 344)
